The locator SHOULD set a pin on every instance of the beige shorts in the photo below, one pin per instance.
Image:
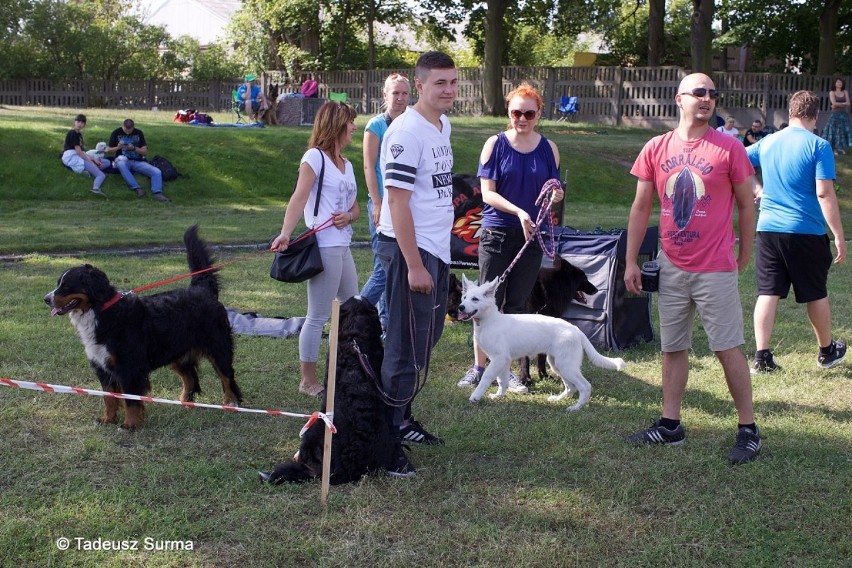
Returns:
(714, 295)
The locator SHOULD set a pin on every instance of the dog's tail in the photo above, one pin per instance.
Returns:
(288, 472)
(198, 258)
(598, 360)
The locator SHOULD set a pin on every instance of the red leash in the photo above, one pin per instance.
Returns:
(112, 301)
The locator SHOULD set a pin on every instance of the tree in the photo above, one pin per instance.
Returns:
(828, 23)
(781, 35)
(629, 42)
(702, 35)
(492, 71)
(656, 31)
(77, 40)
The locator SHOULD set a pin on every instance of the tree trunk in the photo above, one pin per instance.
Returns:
(371, 35)
(828, 21)
(492, 65)
(344, 23)
(656, 31)
(702, 36)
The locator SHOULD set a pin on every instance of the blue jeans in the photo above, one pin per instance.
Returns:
(374, 288)
(127, 167)
(409, 337)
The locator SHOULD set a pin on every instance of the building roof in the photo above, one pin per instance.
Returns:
(207, 23)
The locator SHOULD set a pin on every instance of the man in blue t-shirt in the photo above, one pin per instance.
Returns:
(254, 102)
(797, 200)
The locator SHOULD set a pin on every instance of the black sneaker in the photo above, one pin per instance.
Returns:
(747, 446)
(658, 435)
(417, 434)
(766, 364)
(401, 467)
(835, 356)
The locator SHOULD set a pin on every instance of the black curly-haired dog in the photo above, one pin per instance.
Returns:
(127, 336)
(362, 444)
(551, 295)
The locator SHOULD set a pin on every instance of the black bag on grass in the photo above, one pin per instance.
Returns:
(169, 171)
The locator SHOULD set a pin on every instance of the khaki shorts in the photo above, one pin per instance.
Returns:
(715, 296)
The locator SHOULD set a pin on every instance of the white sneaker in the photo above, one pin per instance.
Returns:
(516, 386)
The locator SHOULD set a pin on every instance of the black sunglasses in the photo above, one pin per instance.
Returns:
(701, 92)
(528, 114)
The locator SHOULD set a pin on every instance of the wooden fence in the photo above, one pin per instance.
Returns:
(640, 96)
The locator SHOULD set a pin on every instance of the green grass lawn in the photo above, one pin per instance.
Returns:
(520, 482)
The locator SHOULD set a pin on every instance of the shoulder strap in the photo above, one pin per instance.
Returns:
(388, 118)
(319, 184)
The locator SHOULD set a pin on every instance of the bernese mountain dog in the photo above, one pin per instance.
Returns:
(127, 336)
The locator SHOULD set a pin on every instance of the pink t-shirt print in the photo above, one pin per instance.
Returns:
(694, 181)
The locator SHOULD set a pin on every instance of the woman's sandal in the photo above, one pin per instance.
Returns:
(316, 391)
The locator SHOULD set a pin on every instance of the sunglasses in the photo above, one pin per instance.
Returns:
(701, 92)
(528, 114)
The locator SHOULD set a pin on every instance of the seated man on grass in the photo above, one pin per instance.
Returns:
(254, 100)
(128, 143)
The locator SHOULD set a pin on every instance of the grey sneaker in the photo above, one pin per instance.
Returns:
(658, 435)
(835, 356)
(747, 446)
(160, 197)
(99, 192)
(516, 386)
(470, 379)
(139, 191)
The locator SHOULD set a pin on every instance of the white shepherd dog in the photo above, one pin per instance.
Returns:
(505, 337)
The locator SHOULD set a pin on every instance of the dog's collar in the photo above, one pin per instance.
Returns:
(114, 300)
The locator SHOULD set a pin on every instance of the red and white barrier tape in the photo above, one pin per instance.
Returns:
(62, 389)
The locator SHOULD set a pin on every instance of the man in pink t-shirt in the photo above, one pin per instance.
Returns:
(698, 174)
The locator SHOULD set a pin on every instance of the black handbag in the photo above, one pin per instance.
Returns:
(301, 260)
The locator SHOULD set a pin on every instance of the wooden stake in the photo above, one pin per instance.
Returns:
(329, 398)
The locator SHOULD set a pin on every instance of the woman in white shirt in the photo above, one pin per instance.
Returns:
(334, 125)
(730, 127)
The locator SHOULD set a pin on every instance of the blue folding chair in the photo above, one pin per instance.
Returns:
(567, 109)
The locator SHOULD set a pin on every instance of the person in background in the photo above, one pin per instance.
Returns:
(253, 97)
(75, 157)
(797, 201)
(513, 167)
(310, 87)
(698, 175)
(130, 147)
(414, 241)
(837, 130)
(730, 127)
(396, 95)
(753, 134)
(333, 127)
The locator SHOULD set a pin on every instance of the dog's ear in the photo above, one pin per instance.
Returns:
(96, 284)
(465, 283)
(588, 287)
(490, 288)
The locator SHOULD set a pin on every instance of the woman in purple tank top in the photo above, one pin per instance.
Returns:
(513, 167)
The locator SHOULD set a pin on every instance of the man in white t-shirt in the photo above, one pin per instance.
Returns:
(414, 241)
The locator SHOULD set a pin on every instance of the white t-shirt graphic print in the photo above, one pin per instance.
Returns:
(417, 157)
(338, 194)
